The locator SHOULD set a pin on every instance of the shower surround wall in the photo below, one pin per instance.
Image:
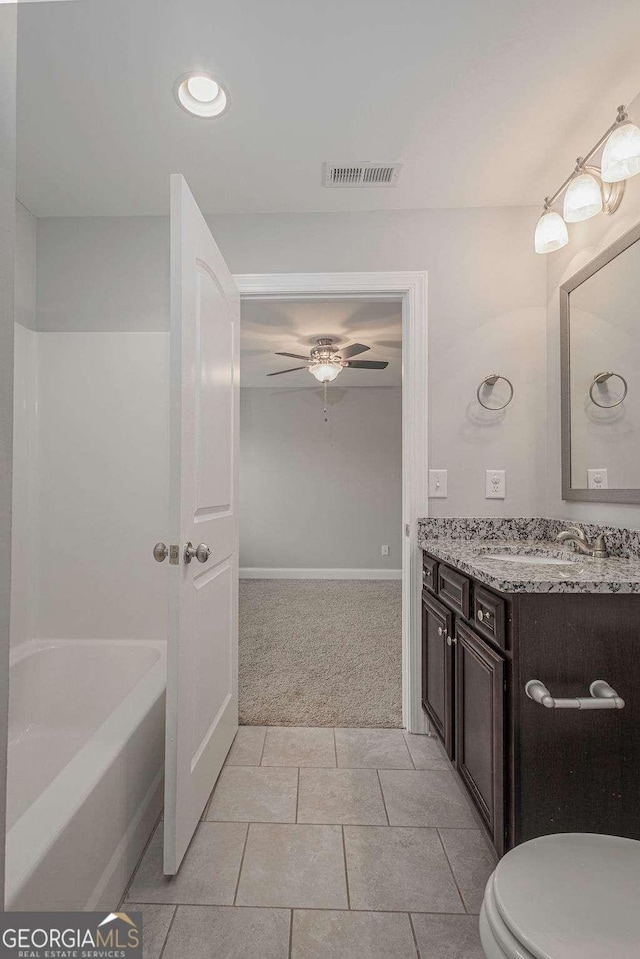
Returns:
(91, 498)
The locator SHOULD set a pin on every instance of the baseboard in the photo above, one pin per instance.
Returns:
(256, 572)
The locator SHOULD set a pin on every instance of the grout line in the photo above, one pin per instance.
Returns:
(346, 871)
(384, 802)
(166, 938)
(360, 825)
(226, 905)
(244, 849)
(446, 855)
(297, 794)
(415, 938)
(264, 743)
(406, 746)
(291, 935)
(335, 747)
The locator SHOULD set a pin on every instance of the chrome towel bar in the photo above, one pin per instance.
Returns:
(602, 697)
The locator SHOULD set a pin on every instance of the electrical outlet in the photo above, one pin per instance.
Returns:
(495, 484)
(385, 550)
(438, 484)
(597, 479)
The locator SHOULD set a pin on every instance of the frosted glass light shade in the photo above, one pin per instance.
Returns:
(621, 154)
(583, 198)
(551, 233)
(325, 372)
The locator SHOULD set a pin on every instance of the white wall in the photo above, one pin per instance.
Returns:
(586, 240)
(320, 495)
(486, 313)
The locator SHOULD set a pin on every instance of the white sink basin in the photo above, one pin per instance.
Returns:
(529, 560)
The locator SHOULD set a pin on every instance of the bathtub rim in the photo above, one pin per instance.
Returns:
(35, 832)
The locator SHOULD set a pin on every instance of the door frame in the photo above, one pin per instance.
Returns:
(411, 289)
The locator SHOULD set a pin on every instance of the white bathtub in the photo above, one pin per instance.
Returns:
(86, 759)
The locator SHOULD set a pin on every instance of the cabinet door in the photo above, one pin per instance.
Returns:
(437, 668)
(480, 728)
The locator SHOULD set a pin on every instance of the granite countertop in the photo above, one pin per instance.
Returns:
(582, 574)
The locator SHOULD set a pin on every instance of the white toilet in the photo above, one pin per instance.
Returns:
(567, 896)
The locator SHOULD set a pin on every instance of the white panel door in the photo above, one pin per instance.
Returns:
(202, 676)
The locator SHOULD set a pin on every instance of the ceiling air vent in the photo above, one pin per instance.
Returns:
(361, 174)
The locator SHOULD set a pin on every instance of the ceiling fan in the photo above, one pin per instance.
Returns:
(326, 361)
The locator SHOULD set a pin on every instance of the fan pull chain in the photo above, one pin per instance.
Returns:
(324, 390)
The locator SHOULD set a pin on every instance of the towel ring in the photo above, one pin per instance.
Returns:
(491, 380)
(602, 378)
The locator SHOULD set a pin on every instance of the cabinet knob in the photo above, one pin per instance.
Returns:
(480, 615)
(440, 630)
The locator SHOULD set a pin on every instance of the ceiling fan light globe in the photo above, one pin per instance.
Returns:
(325, 372)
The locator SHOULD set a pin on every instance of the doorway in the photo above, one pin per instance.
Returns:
(410, 289)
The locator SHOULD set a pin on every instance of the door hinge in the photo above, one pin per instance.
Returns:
(174, 555)
(407, 529)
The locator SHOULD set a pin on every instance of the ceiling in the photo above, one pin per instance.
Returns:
(295, 325)
(486, 103)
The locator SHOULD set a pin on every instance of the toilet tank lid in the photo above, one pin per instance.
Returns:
(572, 896)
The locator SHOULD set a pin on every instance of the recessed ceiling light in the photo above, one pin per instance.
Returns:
(203, 89)
(200, 95)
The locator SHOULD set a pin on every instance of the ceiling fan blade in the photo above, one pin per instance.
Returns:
(292, 370)
(366, 365)
(353, 350)
(296, 356)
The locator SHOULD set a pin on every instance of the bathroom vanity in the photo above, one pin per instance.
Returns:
(537, 612)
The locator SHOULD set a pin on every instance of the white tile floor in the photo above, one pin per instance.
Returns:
(323, 844)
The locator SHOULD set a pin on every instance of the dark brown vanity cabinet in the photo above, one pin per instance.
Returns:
(463, 692)
(437, 668)
(479, 712)
(530, 770)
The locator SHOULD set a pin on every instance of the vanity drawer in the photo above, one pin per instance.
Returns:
(430, 573)
(489, 615)
(454, 589)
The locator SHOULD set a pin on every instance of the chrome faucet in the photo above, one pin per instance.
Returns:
(597, 549)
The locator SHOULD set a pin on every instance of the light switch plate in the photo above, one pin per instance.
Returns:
(495, 484)
(384, 550)
(597, 479)
(438, 484)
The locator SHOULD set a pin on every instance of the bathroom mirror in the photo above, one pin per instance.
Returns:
(600, 355)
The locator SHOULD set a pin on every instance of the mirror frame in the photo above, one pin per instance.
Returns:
(568, 492)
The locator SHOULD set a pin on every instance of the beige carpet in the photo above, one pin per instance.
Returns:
(320, 652)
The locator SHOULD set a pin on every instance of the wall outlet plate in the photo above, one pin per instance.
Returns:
(597, 479)
(385, 550)
(438, 484)
(495, 484)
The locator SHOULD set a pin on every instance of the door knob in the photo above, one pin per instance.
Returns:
(160, 552)
(200, 552)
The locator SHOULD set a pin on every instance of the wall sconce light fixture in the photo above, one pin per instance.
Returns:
(590, 190)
